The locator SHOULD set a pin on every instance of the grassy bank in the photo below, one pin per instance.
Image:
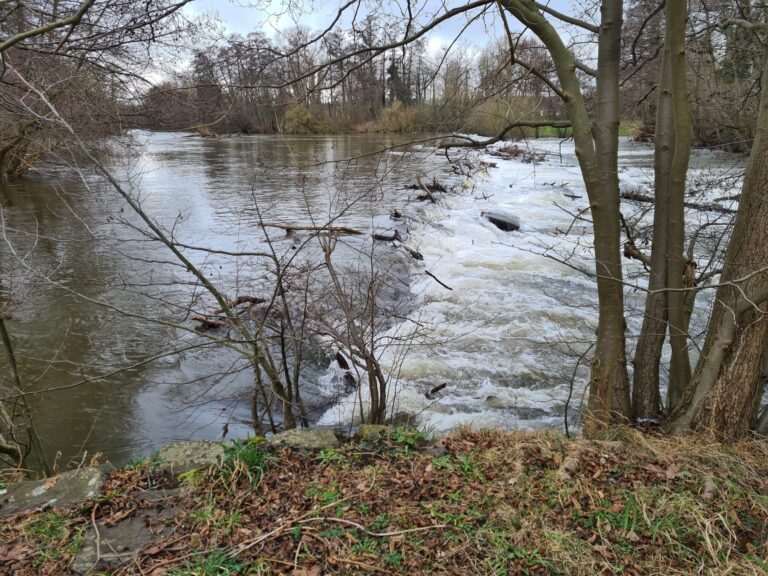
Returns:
(472, 503)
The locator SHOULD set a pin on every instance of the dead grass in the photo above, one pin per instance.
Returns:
(476, 503)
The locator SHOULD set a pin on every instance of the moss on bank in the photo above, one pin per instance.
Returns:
(471, 503)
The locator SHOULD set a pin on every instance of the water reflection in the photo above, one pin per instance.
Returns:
(85, 269)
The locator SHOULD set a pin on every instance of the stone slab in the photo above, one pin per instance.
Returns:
(66, 488)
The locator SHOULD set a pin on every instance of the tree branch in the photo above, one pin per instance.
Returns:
(472, 143)
(568, 19)
(71, 20)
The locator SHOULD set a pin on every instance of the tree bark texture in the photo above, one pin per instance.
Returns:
(680, 366)
(646, 398)
(596, 151)
(723, 399)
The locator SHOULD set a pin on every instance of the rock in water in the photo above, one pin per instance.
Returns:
(503, 222)
(341, 361)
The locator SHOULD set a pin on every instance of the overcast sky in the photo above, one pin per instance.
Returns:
(271, 16)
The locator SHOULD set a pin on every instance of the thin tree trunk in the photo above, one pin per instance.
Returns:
(609, 384)
(646, 398)
(29, 424)
(680, 366)
(611, 380)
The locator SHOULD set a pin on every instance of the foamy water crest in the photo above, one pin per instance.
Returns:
(507, 337)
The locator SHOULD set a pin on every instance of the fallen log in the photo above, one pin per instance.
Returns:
(331, 229)
(703, 206)
(394, 235)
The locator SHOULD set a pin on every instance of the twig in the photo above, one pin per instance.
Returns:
(375, 534)
(436, 279)
(237, 550)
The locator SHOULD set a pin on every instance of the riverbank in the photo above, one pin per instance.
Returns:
(487, 502)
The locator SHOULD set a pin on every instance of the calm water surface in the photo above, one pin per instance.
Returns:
(75, 266)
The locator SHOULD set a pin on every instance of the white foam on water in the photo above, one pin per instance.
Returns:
(508, 333)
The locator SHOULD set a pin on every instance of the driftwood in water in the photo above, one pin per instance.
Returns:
(205, 132)
(514, 151)
(216, 320)
(209, 323)
(433, 186)
(391, 237)
(414, 254)
(703, 206)
(431, 393)
(429, 189)
(240, 300)
(330, 229)
(502, 221)
(436, 279)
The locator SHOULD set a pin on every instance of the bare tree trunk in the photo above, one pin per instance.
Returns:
(29, 424)
(723, 397)
(646, 398)
(680, 366)
(609, 383)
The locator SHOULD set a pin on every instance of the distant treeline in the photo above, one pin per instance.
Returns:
(257, 85)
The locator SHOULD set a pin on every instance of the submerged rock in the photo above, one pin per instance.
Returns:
(504, 222)
(306, 439)
(66, 488)
(403, 420)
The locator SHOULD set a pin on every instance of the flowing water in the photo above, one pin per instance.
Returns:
(505, 329)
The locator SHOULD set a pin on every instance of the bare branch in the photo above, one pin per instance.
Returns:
(71, 20)
(567, 19)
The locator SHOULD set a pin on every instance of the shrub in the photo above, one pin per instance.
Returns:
(398, 118)
(300, 120)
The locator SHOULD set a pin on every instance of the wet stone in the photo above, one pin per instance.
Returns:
(62, 490)
(306, 439)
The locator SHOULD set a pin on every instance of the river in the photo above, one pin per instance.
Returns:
(74, 247)
(503, 330)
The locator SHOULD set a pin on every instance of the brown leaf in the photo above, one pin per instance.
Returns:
(601, 549)
(154, 549)
(672, 471)
(313, 571)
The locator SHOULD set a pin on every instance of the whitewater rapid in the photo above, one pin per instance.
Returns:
(506, 338)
